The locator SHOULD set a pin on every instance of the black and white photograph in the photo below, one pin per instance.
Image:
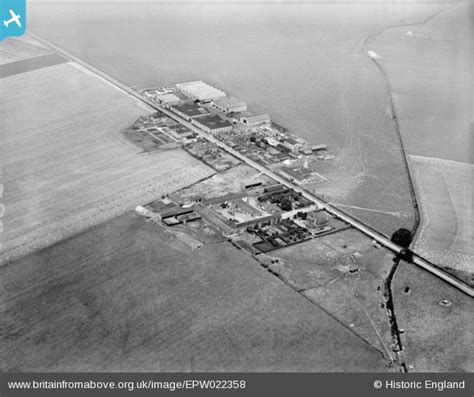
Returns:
(236, 187)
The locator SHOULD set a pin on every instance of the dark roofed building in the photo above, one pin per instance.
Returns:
(213, 124)
(189, 110)
(173, 212)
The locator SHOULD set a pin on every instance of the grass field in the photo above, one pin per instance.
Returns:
(436, 338)
(446, 236)
(126, 296)
(20, 48)
(65, 166)
(430, 76)
(344, 274)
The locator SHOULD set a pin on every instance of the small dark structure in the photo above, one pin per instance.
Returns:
(402, 237)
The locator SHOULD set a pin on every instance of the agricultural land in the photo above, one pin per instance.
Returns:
(139, 299)
(446, 234)
(65, 167)
(434, 322)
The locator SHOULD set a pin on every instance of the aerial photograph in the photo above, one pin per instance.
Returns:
(272, 186)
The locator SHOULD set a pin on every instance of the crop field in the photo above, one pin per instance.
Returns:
(127, 296)
(65, 166)
(446, 236)
(20, 48)
(435, 318)
(343, 274)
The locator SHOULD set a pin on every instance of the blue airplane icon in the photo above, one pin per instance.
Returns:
(13, 17)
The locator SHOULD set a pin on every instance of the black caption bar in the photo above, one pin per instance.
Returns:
(235, 384)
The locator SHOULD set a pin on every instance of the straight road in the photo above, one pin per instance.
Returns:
(367, 230)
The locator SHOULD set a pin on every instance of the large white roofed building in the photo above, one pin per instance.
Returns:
(200, 90)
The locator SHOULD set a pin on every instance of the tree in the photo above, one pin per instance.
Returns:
(402, 237)
(285, 205)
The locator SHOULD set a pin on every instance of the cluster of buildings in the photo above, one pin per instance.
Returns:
(267, 217)
(211, 154)
(229, 120)
(159, 129)
(300, 175)
(198, 90)
(177, 215)
(206, 107)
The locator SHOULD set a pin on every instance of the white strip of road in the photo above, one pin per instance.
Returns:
(367, 230)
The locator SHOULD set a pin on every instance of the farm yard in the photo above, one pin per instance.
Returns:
(65, 166)
(446, 235)
(127, 296)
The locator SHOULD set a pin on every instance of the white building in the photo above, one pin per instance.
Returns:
(253, 120)
(200, 90)
(229, 104)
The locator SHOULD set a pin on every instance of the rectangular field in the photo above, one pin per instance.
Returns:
(446, 235)
(126, 296)
(64, 165)
(21, 48)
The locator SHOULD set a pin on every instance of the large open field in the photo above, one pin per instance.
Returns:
(139, 300)
(446, 236)
(428, 67)
(64, 164)
(301, 63)
(437, 337)
(343, 274)
(20, 48)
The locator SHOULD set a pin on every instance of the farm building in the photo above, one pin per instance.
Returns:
(269, 219)
(174, 212)
(253, 120)
(299, 175)
(189, 110)
(317, 148)
(291, 144)
(168, 99)
(252, 183)
(213, 124)
(229, 104)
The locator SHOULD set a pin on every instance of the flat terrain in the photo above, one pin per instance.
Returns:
(324, 88)
(230, 181)
(446, 236)
(65, 166)
(429, 73)
(428, 67)
(343, 274)
(436, 338)
(126, 296)
(27, 65)
(21, 48)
